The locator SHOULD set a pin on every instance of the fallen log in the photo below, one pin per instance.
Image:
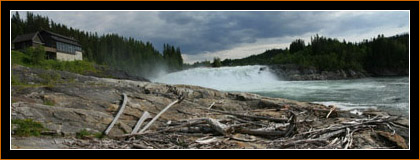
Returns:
(258, 132)
(219, 127)
(118, 115)
(248, 116)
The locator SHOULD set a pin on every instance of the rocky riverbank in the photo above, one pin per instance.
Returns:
(75, 110)
(294, 72)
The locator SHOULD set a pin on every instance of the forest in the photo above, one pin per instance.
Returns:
(128, 54)
(374, 55)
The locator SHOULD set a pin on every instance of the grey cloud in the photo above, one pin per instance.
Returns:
(197, 32)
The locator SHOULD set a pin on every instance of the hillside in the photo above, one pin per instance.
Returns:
(380, 56)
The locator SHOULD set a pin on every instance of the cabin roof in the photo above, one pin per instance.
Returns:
(25, 37)
(61, 38)
(54, 36)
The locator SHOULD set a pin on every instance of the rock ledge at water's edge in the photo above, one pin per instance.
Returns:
(72, 103)
(294, 72)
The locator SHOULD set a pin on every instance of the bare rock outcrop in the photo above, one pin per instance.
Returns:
(206, 118)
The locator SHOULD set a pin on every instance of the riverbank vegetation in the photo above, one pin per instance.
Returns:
(29, 58)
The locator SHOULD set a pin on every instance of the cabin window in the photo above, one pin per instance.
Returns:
(64, 47)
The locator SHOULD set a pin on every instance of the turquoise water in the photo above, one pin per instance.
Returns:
(390, 94)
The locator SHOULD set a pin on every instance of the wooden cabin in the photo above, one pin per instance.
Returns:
(56, 46)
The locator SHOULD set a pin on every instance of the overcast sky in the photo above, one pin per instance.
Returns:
(203, 35)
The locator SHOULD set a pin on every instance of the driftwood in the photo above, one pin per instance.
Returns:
(118, 115)
(249, 116)
(140, 146)
(345, 130)
(244, 138)
(206, 140)
(226, 128)
(219, 127)
(331, 110)
(212, 104)
(304, 141)
(186, 124)
(261, 132)
(146, 115)
(160, 113)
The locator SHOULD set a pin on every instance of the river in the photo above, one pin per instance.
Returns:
(390, 94)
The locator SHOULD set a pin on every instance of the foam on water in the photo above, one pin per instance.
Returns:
(223, 78)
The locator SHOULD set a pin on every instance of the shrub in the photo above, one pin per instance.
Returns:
(20, 58)
(36, 54)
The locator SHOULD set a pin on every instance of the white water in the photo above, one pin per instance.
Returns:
(385, 93)
(241, 78)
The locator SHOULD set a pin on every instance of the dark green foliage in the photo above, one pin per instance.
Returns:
(263, 58)
(172, 57)
(205, 63)
(27, 127)
(297, 45)
(216, 62)
(389, 53)
(128, 54)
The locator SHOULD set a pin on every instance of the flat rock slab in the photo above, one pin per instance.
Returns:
(45, 142)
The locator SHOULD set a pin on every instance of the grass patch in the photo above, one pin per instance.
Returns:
(85, 134)
(21, 58)
(15, 80)
(99, 135)
(27, 127)
(49, 102)
(80, 67)
(50, 78)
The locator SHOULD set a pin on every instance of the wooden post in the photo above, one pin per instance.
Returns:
(118, 115)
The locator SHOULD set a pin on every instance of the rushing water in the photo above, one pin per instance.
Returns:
(390, 94)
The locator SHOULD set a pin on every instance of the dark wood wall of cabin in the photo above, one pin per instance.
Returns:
(49, 42)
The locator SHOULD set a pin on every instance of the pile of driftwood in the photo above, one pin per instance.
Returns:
(297, 128)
